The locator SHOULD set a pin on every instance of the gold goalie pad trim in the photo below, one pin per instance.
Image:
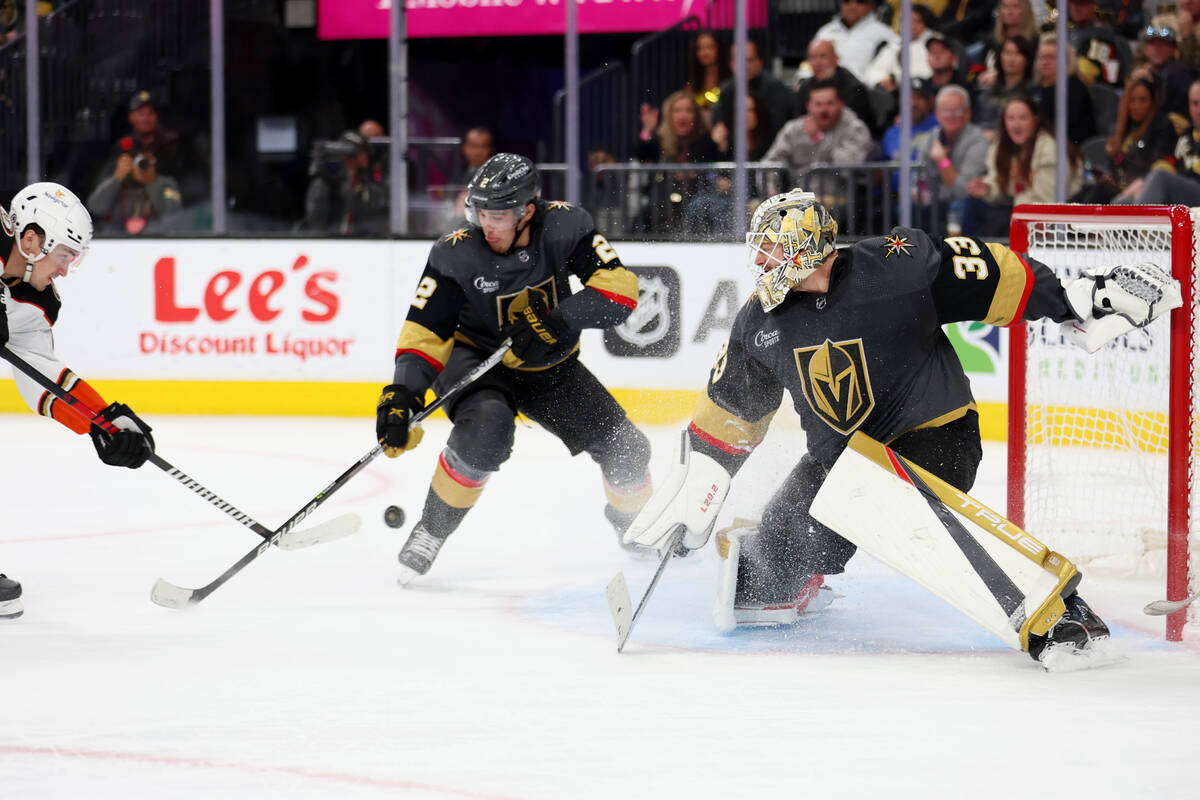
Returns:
(961, 550)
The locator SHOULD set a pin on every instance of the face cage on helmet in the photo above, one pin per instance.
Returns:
(777, 276)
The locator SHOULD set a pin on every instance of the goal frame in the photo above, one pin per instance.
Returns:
(1181, 387)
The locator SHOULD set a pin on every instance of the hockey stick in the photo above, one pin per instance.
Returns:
(172, 596)
(1161, 607)
(327, 531)
(617, 593)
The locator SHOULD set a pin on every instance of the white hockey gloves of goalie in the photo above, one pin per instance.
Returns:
(1112, 301)
(691, 496)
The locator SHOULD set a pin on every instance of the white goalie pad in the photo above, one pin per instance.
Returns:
(691, 496)
(962, 551)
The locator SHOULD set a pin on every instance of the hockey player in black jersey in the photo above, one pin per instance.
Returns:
(505, 275)
(854, 335)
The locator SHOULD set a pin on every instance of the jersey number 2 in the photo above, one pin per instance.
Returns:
(425, 290)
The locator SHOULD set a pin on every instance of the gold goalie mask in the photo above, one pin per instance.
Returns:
(790, 235)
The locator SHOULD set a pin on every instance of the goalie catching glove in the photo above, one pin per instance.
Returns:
(692, 497)
(1115, 300)
(126, 442)
(393, 416)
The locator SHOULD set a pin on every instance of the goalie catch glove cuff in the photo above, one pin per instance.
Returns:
(1115, 300)
(539, 335)
(128, 443)
(692, 496)
(393, 416)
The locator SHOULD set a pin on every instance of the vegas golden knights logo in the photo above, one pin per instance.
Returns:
(509, 306)
(836, 383)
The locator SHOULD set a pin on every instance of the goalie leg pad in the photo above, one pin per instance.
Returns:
(965, 553)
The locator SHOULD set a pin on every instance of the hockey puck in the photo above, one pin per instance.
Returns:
(393, 516)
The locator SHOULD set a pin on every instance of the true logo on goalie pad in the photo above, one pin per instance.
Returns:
(835, 382)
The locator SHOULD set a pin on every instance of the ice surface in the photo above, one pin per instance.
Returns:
(312, 674)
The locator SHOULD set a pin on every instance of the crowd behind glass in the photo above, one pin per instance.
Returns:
(983, 94)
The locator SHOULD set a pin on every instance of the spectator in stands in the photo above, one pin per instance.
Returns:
(884, 71)
(371, 129)
(135, 195)
(966, 20)
(1162, 67)
(829, 132)
(708, 68)
(759, 126)
(1081, 119)
(944, 66)
(1143, 137)
(1183, 22)
(677, 134)
(1104, 55)
(1013, 18)
(857, 35)
(150, 137)
(477, 147)
(956, 148)
(1176, 178)
(823, 63)
(776, 98)
(1021, 168)
(1016, 79)
(922, 118)
(342, 195)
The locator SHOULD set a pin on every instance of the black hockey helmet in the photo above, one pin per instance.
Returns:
(504, 181)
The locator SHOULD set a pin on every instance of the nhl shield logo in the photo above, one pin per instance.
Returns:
(652, 328)
(836, 384)
(651, 320)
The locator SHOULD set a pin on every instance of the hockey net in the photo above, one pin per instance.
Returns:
(1102, 447)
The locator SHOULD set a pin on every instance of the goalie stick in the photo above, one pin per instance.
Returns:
(321, 533)
(617, 592)
(1160, 607)
(169, 595)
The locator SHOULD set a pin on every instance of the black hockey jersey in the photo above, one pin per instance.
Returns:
(869, 354)
(470, 293)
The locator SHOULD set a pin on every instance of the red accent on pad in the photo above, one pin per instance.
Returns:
(897, 466)
(433, 362)
(1020, 315)
(619, 299)
(717, 443)
(457, 477)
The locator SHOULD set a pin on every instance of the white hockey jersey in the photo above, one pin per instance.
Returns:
(31, 318)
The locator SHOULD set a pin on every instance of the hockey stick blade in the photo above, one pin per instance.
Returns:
(1160, 607)
(330, 531)
(168, 595)
(617, 584)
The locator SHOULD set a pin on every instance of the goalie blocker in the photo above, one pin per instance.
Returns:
(962, 551)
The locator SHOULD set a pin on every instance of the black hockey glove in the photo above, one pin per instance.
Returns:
(130, 445)
(539, 334)
(392, 418)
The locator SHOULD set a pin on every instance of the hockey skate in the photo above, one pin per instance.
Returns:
(418, 553)
(1078, 641)
(10, 598)
(736, 605)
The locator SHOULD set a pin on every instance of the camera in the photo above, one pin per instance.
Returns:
(326, 157)
(142, 162)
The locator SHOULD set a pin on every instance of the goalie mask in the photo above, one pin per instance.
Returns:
(65, 224)
(790, 235)
(504, 183)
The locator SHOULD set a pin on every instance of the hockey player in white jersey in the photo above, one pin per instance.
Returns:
(51, 232)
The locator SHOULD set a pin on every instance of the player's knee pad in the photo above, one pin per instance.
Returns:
(752, 589)
(484, 426)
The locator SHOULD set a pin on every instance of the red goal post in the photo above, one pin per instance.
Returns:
(1101, 447)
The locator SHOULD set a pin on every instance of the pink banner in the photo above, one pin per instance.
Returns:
(368, 19)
